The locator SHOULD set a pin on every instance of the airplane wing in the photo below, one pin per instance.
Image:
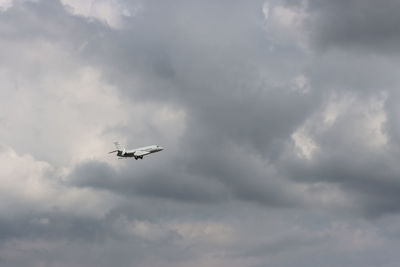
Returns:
(140, 153)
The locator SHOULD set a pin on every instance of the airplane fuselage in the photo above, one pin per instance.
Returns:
(138, 153)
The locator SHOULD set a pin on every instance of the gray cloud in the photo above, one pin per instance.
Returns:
(357, 24)
(279, 118)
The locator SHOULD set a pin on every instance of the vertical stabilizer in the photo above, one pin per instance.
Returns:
(118, 146)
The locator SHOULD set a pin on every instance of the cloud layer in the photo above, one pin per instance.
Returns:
(279, 118)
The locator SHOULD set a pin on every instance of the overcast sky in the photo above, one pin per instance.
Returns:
(280, 120)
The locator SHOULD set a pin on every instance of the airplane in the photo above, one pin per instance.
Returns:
(137, 153)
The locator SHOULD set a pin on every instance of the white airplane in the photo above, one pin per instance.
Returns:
(137, 153)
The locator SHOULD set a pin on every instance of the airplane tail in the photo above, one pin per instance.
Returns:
(118, 147)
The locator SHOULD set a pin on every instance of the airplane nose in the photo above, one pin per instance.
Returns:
(161, 148)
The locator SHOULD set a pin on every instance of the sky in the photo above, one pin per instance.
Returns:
(279, 119)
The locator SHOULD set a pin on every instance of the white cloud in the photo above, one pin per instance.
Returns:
(360, 120)
(265, 10)
(27, 184)
(110, 12)
(367, 113)
(284, 23)
(189, 232)
(305, 145)
(68, 103)
(5, 4)
(72, 108)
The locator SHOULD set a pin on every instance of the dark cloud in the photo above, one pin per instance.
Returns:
(280, 126)
(356, 24)
(177, 184)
